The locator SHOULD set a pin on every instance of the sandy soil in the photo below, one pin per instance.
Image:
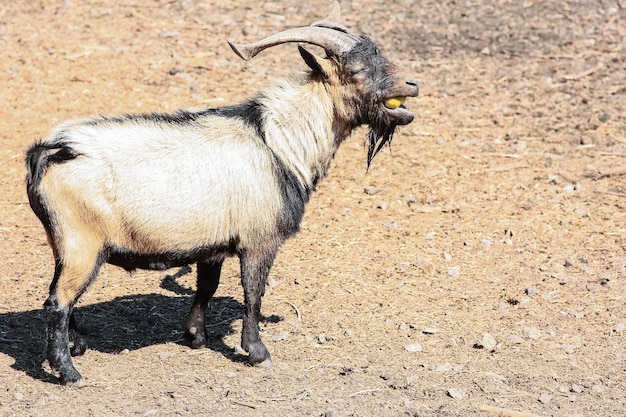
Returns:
(490, 237)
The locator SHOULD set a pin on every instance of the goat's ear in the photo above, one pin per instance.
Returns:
(316, 63)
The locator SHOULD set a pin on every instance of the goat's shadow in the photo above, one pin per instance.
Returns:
(129, 322)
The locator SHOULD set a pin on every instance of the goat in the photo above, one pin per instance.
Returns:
(156, 191)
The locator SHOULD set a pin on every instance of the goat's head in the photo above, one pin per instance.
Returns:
(368, 88)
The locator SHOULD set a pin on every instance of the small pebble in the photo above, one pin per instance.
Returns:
(393, 226)
(371, 190)
(495, 376)
(569, 348)
(454, 271)
(411, 380)
(605, 279)
(281, 336)
(619, 327)
(515, 339)
(18, 396)
(444, 367)
(415, 347)
(592, 287)
(430, 330)
(545, 398)
(456, 393)
(165, 355)
(321, 338)
(531, 333)
(447, 367)
(531, 291)
(271, 282)
(486, 341)
(576, 388)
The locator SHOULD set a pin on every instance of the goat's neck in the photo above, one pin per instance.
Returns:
(301, 128)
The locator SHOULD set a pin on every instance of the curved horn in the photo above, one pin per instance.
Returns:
(335, 26)
(335, 38)
(331, 22)
(332, 40)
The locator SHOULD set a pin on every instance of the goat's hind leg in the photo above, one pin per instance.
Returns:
(57, 350)
(208, 281)
(70, 281)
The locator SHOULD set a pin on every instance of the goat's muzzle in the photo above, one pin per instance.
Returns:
(394, 102)
(390, 113)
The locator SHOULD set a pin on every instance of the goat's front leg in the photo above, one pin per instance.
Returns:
(208, 280)
(255, 267)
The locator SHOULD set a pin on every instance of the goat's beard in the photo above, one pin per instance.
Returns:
(379, 135)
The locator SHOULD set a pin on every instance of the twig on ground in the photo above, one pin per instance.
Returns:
(613, 193)
(504, 412)
(249, 405)
(507, 167)
(365, 391)
(573, 77)
(295, 308)
(504, 155)
(609, 172)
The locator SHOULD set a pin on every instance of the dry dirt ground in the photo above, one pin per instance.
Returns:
(492, 234)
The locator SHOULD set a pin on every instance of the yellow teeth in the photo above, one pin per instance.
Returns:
(394, 102)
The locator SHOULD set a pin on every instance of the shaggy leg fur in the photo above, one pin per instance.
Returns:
(58, 352)
(208, 280)
(254, 270)
(75, 269)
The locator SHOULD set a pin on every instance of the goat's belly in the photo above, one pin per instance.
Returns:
(131, 260)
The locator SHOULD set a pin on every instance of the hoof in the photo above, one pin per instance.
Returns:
(73, 379)
(259, 356)
(74, 384)
(79, 347)
(196, 339)
(267, 364)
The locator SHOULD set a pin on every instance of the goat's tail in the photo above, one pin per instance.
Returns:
(41, 155)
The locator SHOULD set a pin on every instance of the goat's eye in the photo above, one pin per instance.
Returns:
(356, 69)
